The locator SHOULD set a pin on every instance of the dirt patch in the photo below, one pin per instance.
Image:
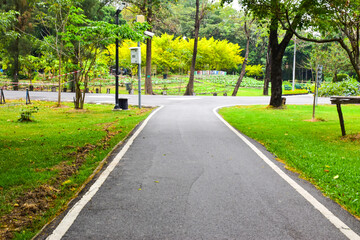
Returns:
(33, 204)
(27, 207)
(315, 120)
(282, 107)
(59, 107)
(351, 137)
(78, 111)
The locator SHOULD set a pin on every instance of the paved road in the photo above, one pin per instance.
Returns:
(188, 176)
(163, 100)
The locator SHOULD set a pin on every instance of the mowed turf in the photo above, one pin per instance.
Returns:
(314, 149)
(51, 157)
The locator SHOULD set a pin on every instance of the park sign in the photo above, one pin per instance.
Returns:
(135, 55)
(319, 75)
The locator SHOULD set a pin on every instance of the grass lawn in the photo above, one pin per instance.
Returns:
(314, 149)
(45, 162)
(176, 85)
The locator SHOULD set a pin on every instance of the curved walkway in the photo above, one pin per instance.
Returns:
(186, 175)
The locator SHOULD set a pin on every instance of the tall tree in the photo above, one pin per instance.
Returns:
(247, 29)
(278, 11)
(55, 15)
(153, 10)
(199, 15)
(267, 78)
(18, 44)
(337, 21)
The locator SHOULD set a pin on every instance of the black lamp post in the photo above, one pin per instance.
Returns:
(121, 6)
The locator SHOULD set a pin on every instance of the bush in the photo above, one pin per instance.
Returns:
(286, 83)
(297, 91)
(26, 114)
(348, 87)
(340, 77)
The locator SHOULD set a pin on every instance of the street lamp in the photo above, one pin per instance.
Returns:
(120, 6)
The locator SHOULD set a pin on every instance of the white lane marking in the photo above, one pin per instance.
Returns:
(70, 217)
(98, 96)
(320, 207)
(184, 98)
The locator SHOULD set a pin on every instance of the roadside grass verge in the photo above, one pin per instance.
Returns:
(44, 162)
(316, 150)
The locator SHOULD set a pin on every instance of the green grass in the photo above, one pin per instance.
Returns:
(175, 85)
(314, 149)
(33, 154)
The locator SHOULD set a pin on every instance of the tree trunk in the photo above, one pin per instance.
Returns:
(267, 72)
(82, 100)
(77, 91)
(59, 92)
(16, 64)
(242, 73)
(276, 82)
(148, 83)
(190, 85)
(277, 53)
(354, 56)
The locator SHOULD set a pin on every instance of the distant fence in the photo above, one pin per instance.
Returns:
(208, 72)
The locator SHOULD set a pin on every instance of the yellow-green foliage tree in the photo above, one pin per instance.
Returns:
(174, 54)
(254, 70)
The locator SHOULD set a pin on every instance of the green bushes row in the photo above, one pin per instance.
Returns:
(349, 87)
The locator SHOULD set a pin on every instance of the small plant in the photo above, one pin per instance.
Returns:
(26, 114)
(340, 77)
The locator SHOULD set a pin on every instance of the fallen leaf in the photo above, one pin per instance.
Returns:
(139, 189)
(66, 182)
(336, 177)
(326, 170)
(156, 181)
(327, 166)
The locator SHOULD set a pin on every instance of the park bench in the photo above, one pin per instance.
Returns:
(343, 100)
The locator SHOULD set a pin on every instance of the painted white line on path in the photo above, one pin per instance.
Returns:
(70, 217)
(320, 207)
(184, 98)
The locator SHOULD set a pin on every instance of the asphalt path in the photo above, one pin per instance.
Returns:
(186, 175)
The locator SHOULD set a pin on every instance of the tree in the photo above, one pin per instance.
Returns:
(199, 15)
(220, 23)
(56, 15)
(267, 78)
(247, 30)
(85, 40)
(278, 11)
(337, 20)
(153, 10)
(17, 44)
(174, 54)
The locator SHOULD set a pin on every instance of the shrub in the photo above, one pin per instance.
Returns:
(340, 77)
(286, 83)
(26, 114)
(348, 87)
(297, 91)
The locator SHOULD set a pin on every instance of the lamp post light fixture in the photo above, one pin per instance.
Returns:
(120, 6)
